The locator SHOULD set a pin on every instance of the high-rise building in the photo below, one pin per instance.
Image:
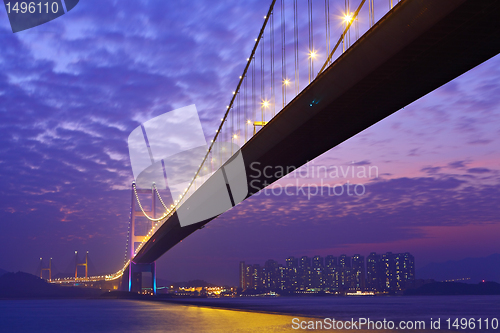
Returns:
(330, 273)
(344, 273)
(317, 272)
(248, 277)
(399, 271)
(375, 274)
(389, 271)
(404, 269)
(330, 261)
(344, 261)
(270, 275)
(358, 273)
(292, 274)
(243, 272)
(282, 277)
(256, 277)
(304, 273)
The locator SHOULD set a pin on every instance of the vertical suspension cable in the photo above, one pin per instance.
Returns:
(231, 131)
(237, 130)
(390, 4)
(262, 83)
(351, 18)
(271, 46)
(219, 138)
(371, 10)
(311, 40)
(284, 80)
(245, 104)
(356, 28)
(254, 104)
(327, 26)
(347, 20)
(236, 134)
(296, 39)
(222, 140)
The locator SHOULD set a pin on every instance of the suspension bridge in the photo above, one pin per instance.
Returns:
(320, 72)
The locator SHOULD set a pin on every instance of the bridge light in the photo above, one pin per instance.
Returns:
(265, 103)
(312, 54)
(286, 82)
(249, 122)
(348, 18)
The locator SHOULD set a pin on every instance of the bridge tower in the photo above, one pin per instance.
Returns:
(46, 269)
(85, 264)
(132, 277)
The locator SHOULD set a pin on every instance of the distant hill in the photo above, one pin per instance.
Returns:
(193, 283)
(456, 288)
(477, 269)
(24, 285)
(163, 283)
(2, 272)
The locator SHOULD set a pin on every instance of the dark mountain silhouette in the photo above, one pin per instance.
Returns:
(193, 283)
(24, 285)
(163, 283)
(2, 272)
(456, 288)
(477, 269)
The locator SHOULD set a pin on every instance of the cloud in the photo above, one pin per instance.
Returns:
(361, 163)
(431, 170)
(480, 142)
(457, 164)
(478, 170)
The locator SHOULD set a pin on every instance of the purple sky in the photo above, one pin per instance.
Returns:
(72, 90)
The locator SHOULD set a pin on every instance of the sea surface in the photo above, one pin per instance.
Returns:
(234, 315)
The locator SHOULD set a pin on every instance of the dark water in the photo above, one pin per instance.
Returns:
(275, 314)
(345, 308)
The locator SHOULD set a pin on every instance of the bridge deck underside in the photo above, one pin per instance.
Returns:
(416, 48)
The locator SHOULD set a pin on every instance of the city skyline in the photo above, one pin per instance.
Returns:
(73, 89)
(380, 273)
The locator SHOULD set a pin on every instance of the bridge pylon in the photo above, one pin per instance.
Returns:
(85, 264)
(132, 279)
(49, 269)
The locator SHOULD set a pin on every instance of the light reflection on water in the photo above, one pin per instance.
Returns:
(105, 315)
(131, 316)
